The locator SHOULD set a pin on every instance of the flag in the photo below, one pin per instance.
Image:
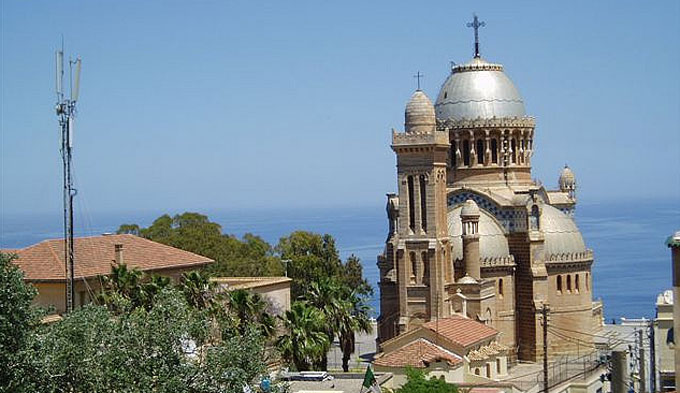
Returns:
(370, 382)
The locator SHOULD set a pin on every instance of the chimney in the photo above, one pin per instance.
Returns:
(119, 254)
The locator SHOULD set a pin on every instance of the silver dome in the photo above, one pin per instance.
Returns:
(561, 233)
(492, 241)
(478, 89)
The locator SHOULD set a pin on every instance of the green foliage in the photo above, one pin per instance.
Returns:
(142, 350)
(17, 319)
(306, 340)
(417, 383)
(250, 256)
(313, 258)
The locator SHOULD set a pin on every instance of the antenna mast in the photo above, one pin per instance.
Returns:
(66, 113)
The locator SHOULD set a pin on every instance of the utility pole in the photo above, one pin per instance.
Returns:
(652, 355)
(544, 312)
(641, 349)
(619, 372)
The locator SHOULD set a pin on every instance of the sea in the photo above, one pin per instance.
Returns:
(632, 263)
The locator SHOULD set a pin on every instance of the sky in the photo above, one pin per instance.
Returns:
(190, 106)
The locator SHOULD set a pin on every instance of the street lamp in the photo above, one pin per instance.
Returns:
(285, 265)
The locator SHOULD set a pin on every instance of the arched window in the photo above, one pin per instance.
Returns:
(568, 282)
(476, 370)
(453, 154)
(500, 287)
(480, 151)
(513, 147)
(426, 267)
(488, 370)
(423, 204)
(576, 284)
(414, 266)
(494, 151)
(411, 202)
(466, 152)
(559, 284)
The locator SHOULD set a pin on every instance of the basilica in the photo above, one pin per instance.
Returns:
(472, 235)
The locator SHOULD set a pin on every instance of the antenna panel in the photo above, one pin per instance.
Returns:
(60, 70)
(76, 83)
(71, 127)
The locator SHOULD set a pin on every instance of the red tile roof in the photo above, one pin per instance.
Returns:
(461, 330)
(95, 255)
(419, 354)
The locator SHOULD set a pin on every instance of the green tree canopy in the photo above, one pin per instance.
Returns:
(417, 383)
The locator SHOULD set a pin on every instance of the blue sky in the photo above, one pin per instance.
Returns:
(205, 105)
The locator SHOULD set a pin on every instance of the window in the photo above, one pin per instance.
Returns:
(576, 284)
(476, 370)
(559, 284)
(494, 151)
(411, 208)
(488, 370)
(500, 287)
(454, 146)
(568, 282)
(426, 268)
(466, 152)
(498, 366)
(423, 204)
(587, 282)
(414, 266)
(513, 147)
(480, 151)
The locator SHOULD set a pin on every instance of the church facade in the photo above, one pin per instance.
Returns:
(472, 234)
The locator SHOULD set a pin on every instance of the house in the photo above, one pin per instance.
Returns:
(276, 290)
(457, 348)
(44, 264)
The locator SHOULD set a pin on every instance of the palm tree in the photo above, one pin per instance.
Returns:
(121, 283)
(345, 312)
(249, 307)
(354, 318)
(306, 340)
(197, 288)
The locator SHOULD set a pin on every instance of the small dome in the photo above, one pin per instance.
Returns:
(419, 115)
(478, 89)
(470, 209)
(492, 241)
(562, 236)
(467, 280)
(567, 180)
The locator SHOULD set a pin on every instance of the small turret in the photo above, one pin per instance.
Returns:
(419, 114)
(469, 217)
(567, 182)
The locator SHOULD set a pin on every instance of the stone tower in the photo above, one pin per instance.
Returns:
(418, 245)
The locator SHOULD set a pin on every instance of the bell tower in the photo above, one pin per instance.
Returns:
(419, 250)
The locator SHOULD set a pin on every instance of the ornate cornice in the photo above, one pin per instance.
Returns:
(496, 122)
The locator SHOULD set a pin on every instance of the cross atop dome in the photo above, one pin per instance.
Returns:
(476, 24)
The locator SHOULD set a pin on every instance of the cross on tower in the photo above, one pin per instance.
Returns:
(418, 75)
(476, 24)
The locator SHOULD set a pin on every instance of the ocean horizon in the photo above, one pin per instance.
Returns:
(632, 264)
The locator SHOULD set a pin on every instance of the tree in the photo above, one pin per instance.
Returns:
(417, 383)
(143, 350)
(194, 232)
(17, 319)
(353, 319)
(306, 340)
(249, 309)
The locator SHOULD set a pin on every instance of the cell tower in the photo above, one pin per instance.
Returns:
(66, 112)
